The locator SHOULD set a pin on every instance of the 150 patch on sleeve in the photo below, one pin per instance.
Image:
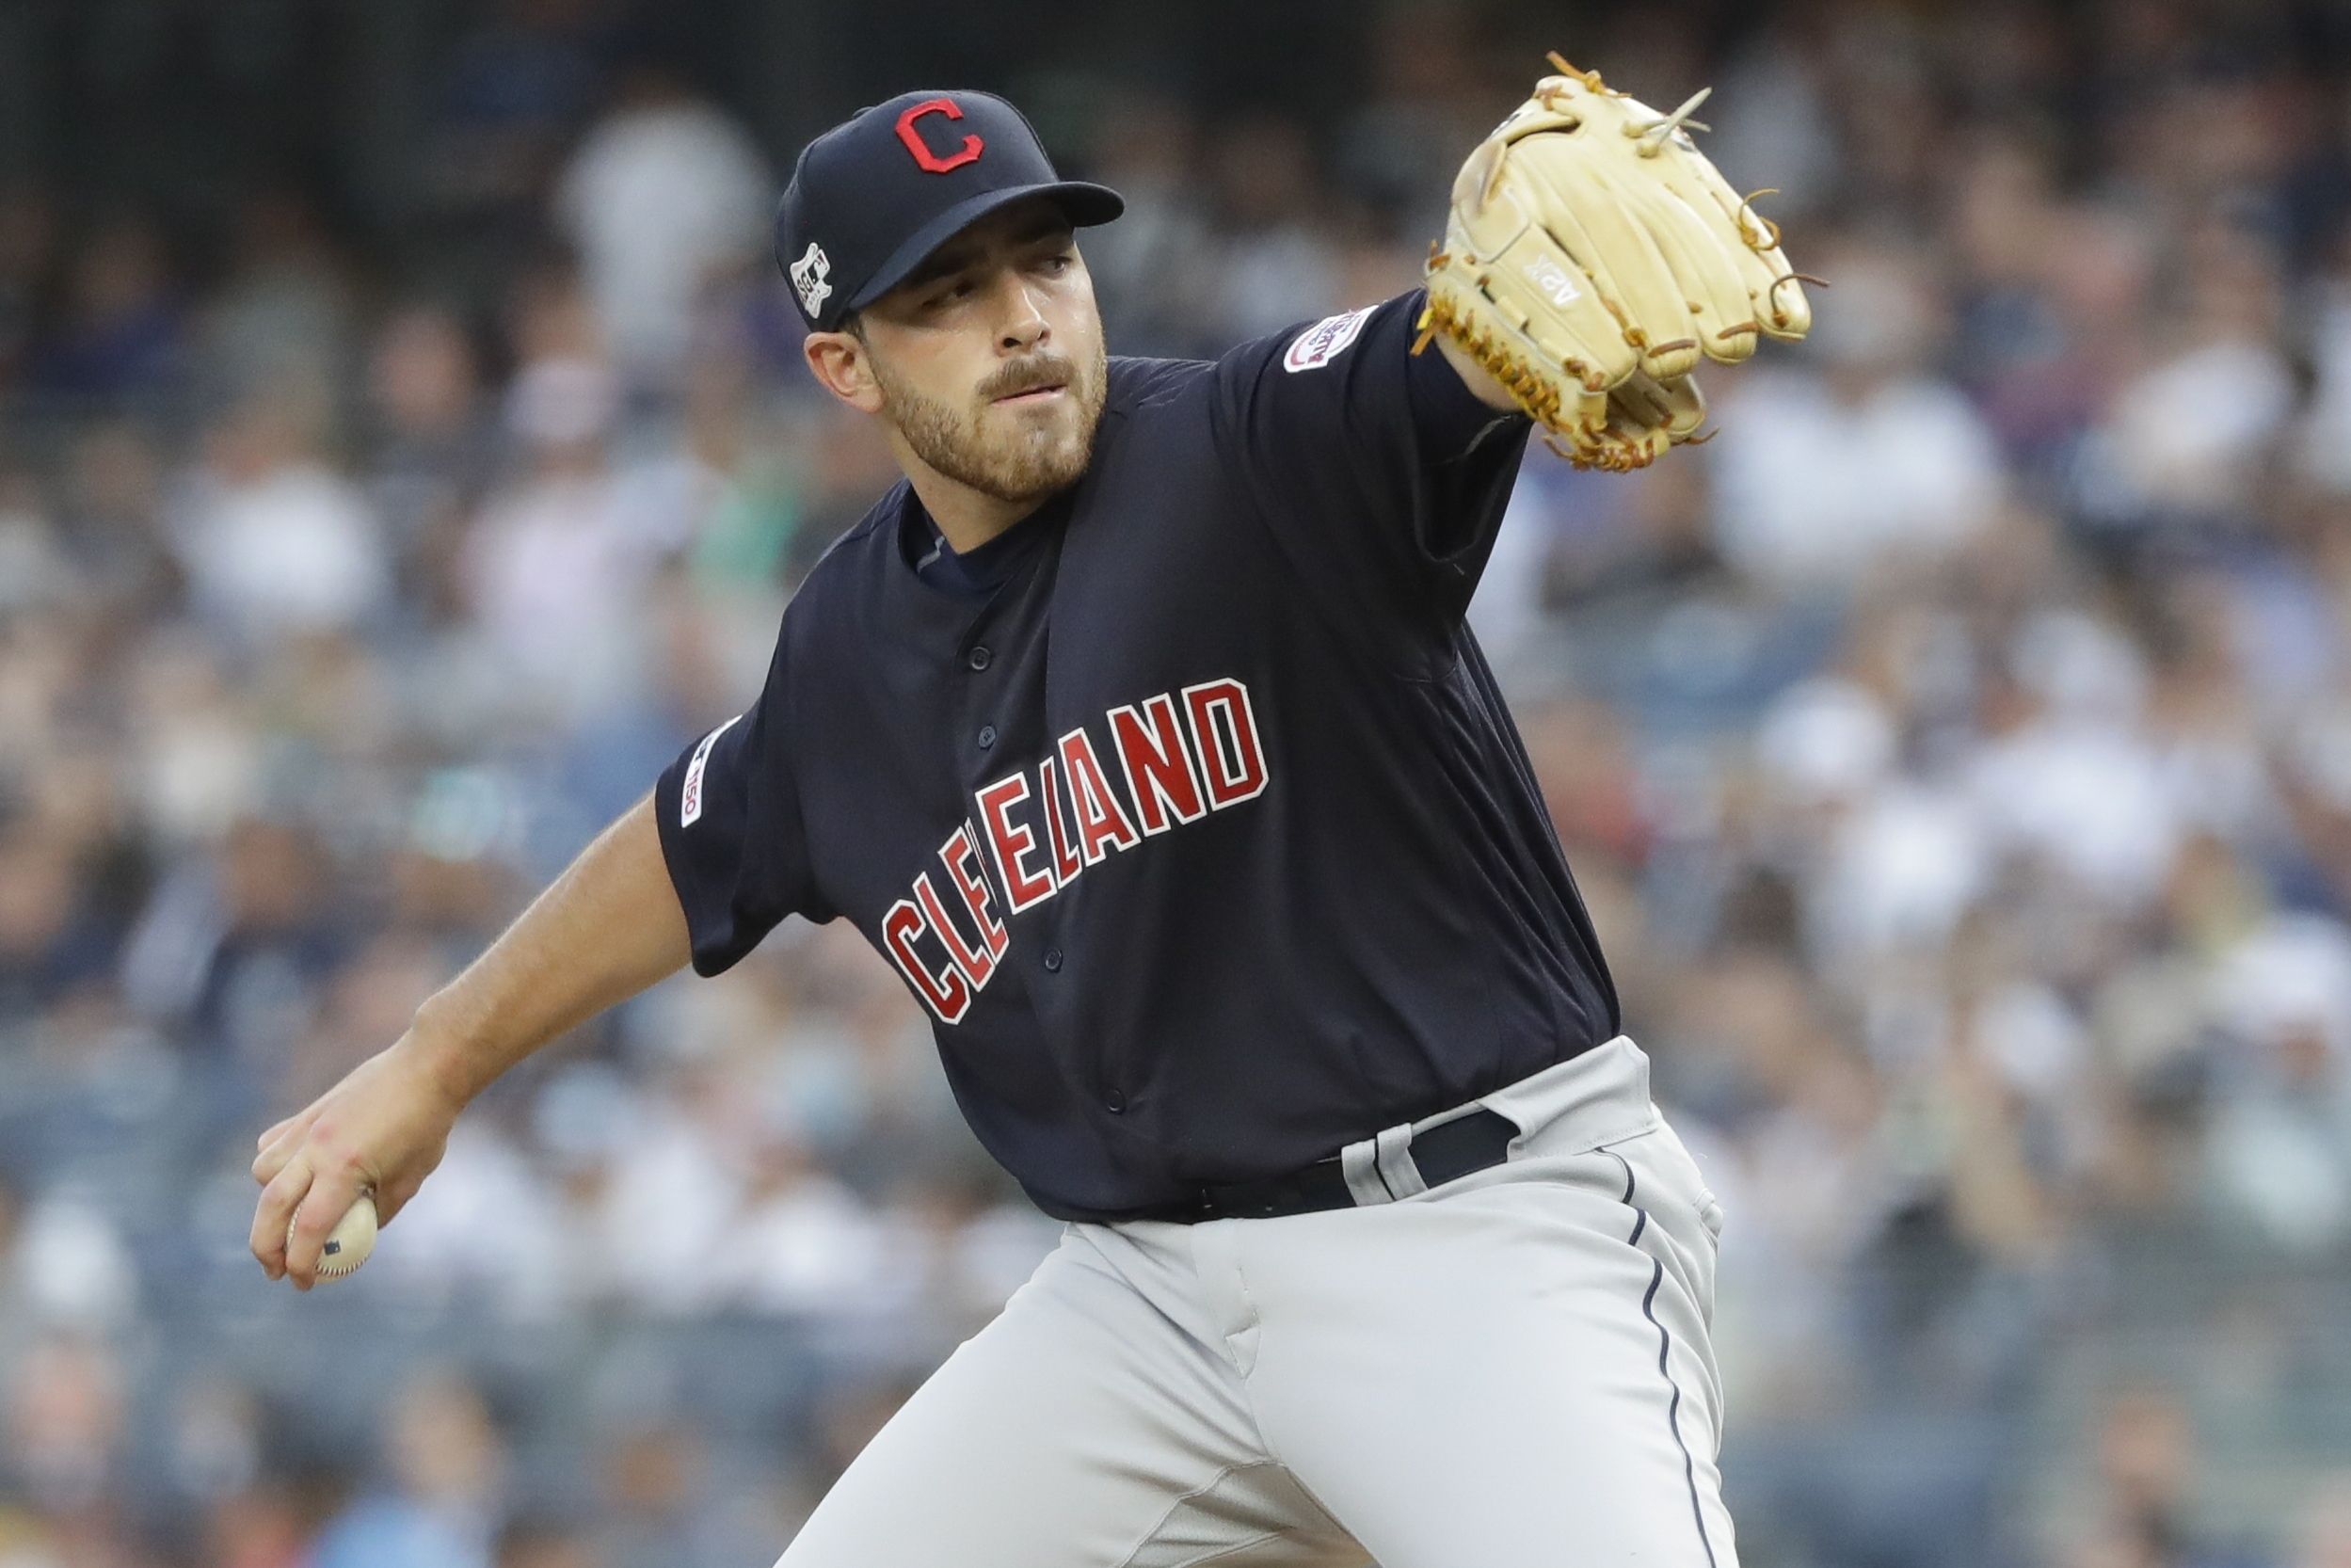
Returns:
(690, 792)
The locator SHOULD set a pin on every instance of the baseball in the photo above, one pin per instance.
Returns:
(349, 1242)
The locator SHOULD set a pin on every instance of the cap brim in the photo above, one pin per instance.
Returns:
(1086, 204)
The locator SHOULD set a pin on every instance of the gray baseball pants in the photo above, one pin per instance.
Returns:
(1511, 1368)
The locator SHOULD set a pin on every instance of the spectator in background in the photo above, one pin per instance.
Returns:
(2147, 1474)
(50, 942)
(2066, 777)
(664, 192)
(2323, 446)
(802, 1243)
(275, 542)
(559, 557)
(1276, 266)
(121, 341)
(661, 1507)
(214, 1437)
(443, 1492)
(1775, 104)
(1426, 100)
(35, 570)
(2184, 439)
(232, 948)
(112, 526)
(1823, 477)
(61, 1441)
(1153, 268)
(728, 482)
(508, 97)
(651, 1186)
(550, 1543)
(28, 242)
(434, 448)
(262, 1527)
(2324, 1537)
(2282, 1139)
(282, 322)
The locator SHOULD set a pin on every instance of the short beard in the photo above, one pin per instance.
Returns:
(1027, 469)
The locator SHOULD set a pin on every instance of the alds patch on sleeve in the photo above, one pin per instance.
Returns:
(1319, 344)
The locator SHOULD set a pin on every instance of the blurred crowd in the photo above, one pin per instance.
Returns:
(1955, 755)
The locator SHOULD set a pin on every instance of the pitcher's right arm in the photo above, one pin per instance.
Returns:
(604, 930)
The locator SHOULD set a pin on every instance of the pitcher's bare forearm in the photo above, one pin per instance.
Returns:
(604, 930)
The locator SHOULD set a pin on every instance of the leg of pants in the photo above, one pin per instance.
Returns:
(1512, 1368)
(1089, 1426)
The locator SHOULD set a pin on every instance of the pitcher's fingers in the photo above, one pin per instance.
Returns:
(276, 1206)
(263, 1142)
(321, 1207)
(272, 1160)
(285, 1138)
(273, 1157)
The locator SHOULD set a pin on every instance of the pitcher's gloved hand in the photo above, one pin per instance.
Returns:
(1593, 258)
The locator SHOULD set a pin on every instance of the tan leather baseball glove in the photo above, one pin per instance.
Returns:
(1593, 258)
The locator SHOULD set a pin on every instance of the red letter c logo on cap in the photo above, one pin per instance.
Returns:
(922, 153)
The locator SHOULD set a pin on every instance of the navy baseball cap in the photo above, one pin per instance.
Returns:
(874, 196)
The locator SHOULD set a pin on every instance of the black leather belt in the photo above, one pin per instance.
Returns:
(1466, 1143)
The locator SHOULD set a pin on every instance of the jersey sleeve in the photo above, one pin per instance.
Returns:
(1378, 469)
(731, 832)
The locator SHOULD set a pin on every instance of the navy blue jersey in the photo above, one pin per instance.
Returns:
(1188, 807)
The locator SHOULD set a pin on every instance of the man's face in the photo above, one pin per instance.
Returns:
(988, 361)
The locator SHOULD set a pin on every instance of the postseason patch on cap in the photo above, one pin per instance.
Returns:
(1319, 344)
(810, 278)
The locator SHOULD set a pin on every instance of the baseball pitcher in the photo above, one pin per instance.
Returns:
(1138, 730)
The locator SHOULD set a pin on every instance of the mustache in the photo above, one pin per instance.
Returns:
(1044, 369)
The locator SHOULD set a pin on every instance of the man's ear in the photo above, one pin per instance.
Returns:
(843, 365)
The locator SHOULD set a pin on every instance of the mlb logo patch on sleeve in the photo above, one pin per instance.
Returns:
(1319, 344)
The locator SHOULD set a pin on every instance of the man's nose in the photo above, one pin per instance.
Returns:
(1024, 325)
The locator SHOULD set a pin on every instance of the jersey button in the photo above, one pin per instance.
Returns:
(978, 658)
(1113, 1101)
(987, 736)
(1053, 959)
